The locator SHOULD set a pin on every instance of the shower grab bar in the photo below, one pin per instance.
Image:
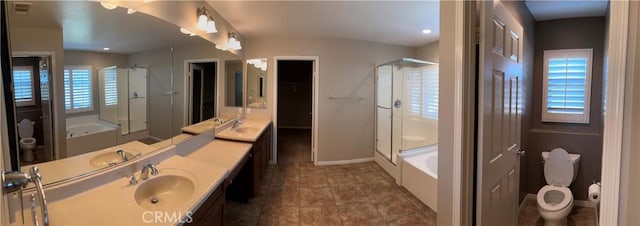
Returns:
(346, 98)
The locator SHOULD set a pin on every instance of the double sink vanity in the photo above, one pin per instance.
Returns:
(185, 183)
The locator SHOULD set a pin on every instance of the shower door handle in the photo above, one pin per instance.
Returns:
(397, 103)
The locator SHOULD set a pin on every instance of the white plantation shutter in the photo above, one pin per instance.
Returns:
(110, 87)
(422, 92)
(23, 85)
(78, 93)
(567, 82)
(430, 87)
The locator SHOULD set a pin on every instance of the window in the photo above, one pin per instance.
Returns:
(567, 85)
(423, 92)
(78, 95)
(110, 86)
(23, 86)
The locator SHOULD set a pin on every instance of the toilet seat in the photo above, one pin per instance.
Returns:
(552, 192)
(28, 140)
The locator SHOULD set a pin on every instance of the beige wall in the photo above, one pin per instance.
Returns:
(446, 106)
(47, 40)
(346, 68)
(428, 52)
(629, 183)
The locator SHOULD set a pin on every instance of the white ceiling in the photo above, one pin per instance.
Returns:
(390, 22)
(88, 26)
(552, 10)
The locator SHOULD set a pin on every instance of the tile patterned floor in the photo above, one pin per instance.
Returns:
(583, 216)
(353, 194)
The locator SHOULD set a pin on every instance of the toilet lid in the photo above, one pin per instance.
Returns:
(558, 168)
(25, 128)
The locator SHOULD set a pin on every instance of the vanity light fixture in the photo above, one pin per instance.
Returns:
(205, 22)
(131, 11)
(232, 43)
(108, 6)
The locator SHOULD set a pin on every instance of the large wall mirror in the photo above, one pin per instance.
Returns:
(233, 83)
(87, 80)
(256, 83)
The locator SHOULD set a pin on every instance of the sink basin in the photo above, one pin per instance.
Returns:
(108, 159)
(247, 130)
(164, 192)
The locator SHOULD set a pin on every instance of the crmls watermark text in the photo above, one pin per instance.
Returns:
(162, 217)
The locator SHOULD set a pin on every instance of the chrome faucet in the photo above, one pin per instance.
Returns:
(16, 181)
(123, 155)
(148, 169)
(236, 124)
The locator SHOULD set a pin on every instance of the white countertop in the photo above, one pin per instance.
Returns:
(114, 203)
(227, 154)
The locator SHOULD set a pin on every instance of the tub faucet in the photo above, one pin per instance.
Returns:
(16, 181)
(123, 155)
(148, 169)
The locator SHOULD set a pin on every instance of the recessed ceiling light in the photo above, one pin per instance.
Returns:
(426, 31)
(105, 48)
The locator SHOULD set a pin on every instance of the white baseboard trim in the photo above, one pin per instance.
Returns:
(340, 162)
(580, 203)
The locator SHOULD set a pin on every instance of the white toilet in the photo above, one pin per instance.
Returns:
(27, 142)
(555, 200)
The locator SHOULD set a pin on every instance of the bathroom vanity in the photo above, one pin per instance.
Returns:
(186, 183)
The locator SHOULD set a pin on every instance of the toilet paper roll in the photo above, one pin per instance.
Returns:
(594, 193)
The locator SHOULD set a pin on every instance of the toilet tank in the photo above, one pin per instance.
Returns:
(575, 159)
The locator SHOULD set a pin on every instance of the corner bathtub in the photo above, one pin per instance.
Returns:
(88, 137)
(419, 174)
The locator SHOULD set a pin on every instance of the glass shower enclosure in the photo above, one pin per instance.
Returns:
(406, 106)
(123, 97)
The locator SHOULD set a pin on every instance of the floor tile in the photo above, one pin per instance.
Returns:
(316, 197)
(360, 214)
(319, 216)
(352, 194)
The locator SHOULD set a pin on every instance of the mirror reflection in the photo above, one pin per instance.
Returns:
(86, 83)
(233, 85)
(256, 83)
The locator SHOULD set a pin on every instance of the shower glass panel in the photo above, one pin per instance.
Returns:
(406, 106)
(123, 98)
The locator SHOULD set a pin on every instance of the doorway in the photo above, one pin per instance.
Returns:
(294, 110)
(32, 96)
(201, 89)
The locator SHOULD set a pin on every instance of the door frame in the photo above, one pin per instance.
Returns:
(55, 120)
(314, 105)
(187, 86)
(616, 48)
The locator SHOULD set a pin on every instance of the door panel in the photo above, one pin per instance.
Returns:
(499, 119)
(45, 100)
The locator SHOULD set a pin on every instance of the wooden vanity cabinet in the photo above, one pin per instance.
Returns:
(262, 155)
(211, 212)
(252, 175)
